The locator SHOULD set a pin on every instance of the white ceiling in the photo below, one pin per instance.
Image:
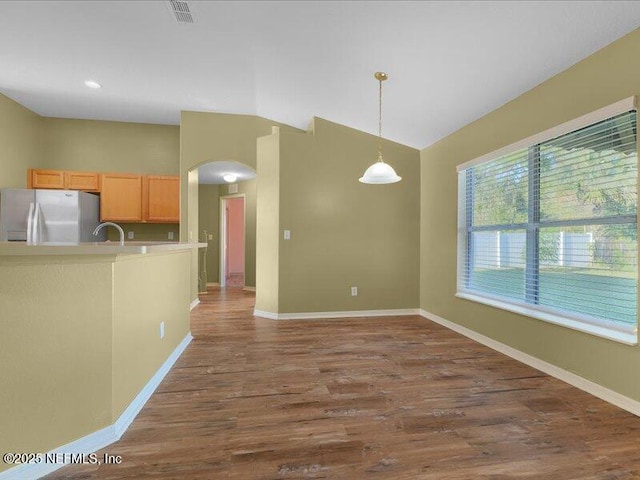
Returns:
(449, 62)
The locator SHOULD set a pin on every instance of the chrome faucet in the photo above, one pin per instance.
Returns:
(95, 232)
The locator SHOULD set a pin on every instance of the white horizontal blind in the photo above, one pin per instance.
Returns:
(553, 225)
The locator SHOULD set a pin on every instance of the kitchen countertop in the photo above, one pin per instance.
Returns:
(94, 248)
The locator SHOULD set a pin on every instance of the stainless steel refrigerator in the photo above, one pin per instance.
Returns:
(49, 216)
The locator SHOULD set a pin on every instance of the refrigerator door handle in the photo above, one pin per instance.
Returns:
(36, 223)
(30, 223)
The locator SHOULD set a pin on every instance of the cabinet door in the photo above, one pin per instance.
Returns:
(46, 179)
(161, 198)
(121, 197)
(85, 181)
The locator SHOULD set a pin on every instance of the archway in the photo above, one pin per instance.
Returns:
(212, 186)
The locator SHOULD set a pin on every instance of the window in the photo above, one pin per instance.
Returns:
(548, 227)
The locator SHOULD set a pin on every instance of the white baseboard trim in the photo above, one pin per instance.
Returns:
(336, 315)
(105, 436)
(606, 394)
(194, 304)
(249, 289)
(264, 314)
(136, 405)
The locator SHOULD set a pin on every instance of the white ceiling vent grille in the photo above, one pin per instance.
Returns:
(181, 10)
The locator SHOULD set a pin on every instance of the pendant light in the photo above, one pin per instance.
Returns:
(380, 172)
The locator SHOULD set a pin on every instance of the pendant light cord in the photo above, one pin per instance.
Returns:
(380, 121)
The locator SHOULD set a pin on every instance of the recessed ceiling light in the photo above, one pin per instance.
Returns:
(92, 84)
(230, 177)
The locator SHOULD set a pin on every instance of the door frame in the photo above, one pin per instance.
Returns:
(223, 233)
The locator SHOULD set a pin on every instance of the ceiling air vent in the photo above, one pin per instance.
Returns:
(181, 10)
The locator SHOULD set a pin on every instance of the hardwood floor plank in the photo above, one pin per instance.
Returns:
(395, 398)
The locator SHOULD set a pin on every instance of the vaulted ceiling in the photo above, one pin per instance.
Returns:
(449, 62)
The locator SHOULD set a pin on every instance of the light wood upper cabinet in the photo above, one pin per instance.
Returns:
(63, 180)
(85, 181)
(161, 199)
(53, 179)
(121, 197)
(124, 197)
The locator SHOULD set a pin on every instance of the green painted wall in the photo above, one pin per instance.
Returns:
(55, 351)
(209, 220)
(20, 143)
(268, 224)
(154, 232)
(603, 78)
(209, 137)
(192, 199)
(80, 340)
(249, 190)
(343, 233)
(101, 146)
(30, 141)
(147, 290)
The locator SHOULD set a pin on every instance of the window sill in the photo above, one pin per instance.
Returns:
(628, 338)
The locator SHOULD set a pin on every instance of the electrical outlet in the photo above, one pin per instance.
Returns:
(130, 235)
(161, 330)
(211, 236)
(354, 291)
(170, 236)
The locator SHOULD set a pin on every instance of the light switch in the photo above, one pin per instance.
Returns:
(211, 236)
(287, 234)
(170, 235)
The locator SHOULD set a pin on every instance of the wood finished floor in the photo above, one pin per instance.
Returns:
(377, 398)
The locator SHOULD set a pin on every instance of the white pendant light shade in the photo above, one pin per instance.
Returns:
(380, 173)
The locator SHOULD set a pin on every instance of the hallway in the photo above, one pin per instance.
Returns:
(391, 398)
